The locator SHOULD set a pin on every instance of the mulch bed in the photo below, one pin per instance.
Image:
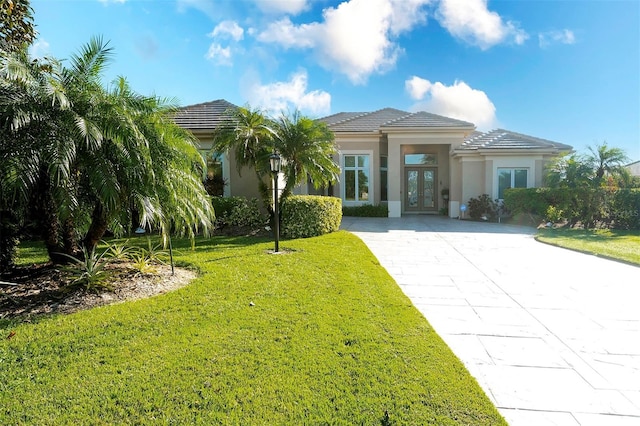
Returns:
(46, 289)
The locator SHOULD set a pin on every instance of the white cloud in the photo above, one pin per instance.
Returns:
(112, 1)
(355, 37)
(473, 22)
(228, 29)
(290, 7)
(417, 87)
(550, 37)
(287, 95)
(456, 101)
(39, 49)
(218, 54)
(208, 7)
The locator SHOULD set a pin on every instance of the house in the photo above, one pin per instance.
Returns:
(634, 168)
(402, 159)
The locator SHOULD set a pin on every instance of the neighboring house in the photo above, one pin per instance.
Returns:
(634, 168)
(404, 159)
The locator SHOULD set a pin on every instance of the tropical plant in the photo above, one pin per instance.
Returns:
(16, 25)
(307, 147)
(88, 270)
(249, 134)
(95, 155)
(606, 160)
(572, 171)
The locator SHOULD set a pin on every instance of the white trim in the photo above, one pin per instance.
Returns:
(395, 208)
(372, 178)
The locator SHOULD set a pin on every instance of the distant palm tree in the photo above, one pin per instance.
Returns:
(307, 147)
(606, 160)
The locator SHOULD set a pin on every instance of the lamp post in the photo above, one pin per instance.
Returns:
(274, 160)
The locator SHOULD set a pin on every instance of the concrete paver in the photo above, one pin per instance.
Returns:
(552, 336)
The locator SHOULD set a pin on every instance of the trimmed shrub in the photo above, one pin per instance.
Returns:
(310, 215)
(238, 212)
(366, 210)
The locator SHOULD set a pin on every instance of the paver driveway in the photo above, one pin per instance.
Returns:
(552, 336)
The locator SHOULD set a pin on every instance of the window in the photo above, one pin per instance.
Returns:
(421, 159)
(511, 178)
(214, 166)
(356, 177)
(383, 179)
(214, 181)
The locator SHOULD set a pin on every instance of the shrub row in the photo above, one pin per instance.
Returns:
(301, 215)
(366, 210)
(585, 206)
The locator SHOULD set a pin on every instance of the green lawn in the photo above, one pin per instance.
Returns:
(331, 340)
(620, 245)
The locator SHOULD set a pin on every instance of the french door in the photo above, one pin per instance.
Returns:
(420, 189)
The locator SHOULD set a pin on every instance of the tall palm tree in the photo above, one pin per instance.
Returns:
(606, 160)
(307, 147)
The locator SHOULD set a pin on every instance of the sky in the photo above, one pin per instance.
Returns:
(563, 70)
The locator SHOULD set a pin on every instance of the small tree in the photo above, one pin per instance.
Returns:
(16, 25)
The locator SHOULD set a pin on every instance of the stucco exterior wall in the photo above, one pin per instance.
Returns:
(473, 178)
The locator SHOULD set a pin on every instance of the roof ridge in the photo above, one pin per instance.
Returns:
(208, 103)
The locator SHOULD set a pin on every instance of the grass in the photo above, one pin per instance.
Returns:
(613, 244)
(330, 339)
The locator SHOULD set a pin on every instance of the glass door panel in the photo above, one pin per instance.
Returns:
(412, 189)
(428, 189)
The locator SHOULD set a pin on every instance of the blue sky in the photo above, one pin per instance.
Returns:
(568, 71)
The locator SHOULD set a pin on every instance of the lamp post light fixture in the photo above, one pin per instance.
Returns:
(275, 162)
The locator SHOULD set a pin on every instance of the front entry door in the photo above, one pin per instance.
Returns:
(420, 189)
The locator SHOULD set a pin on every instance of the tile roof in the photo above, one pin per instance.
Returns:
(204, 116)
(505, 139)
(388, 118)
(426, 119)
(363, 121)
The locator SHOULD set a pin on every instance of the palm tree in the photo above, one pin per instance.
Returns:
(569, 172)
(606, 160)
(250, 135)
(307, 147)
(31, 95)
(92, 153)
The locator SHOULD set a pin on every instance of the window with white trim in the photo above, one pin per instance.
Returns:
(511, 178)
(356, 177)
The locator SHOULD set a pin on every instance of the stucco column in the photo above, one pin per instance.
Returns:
(394, 174)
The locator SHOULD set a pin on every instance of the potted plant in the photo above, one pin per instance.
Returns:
(445, 194)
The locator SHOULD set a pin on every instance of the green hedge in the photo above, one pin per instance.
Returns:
(367, 210)
(588, 207)
(238, 211)
(310, 215)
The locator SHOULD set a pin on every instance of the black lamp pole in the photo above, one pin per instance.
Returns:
(275, 169)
